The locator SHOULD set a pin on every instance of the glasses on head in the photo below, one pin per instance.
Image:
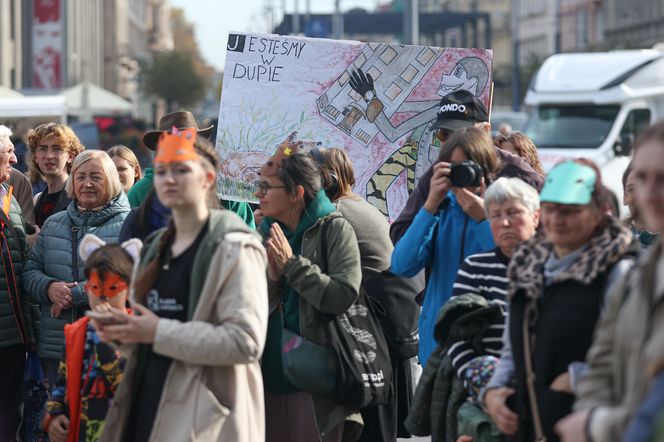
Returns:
(443, 134)
(263, 187)
(56, 151)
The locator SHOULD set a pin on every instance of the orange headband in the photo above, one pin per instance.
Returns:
(176, 147)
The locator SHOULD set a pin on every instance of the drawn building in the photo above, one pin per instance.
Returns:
(396, 71)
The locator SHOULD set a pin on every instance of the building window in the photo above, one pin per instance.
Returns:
(344, 79)
(409, 73)
(374, 72)
(388, 55)
(323, 101)
(362, 136)
(359, 61)
(581, 29)
(332, 111)
(393, 91)
(425, 56)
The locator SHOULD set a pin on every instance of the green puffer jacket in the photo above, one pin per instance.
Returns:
(51, 260)
(322, 295)
(9, 330)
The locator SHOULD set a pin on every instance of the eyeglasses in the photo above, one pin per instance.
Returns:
(443, 134)
(56, 151)
(264, 186)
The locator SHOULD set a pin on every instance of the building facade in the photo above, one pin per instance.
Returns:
(11, 44)
(633, 24)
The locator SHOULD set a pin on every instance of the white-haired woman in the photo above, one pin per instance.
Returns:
(512, 208)
(53, 275)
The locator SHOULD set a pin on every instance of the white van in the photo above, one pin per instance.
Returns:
(593, 105)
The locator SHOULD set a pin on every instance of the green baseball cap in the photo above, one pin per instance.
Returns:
(569, 183)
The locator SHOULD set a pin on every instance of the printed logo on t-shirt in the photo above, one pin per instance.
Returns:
(159, 304)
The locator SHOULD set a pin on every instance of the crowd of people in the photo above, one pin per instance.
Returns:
(158, 311)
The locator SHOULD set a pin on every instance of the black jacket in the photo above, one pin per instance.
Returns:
(562, 320)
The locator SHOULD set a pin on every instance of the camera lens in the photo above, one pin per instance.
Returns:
(465, 174)
(461, 175)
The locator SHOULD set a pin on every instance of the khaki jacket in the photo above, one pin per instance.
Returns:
(214, 389)
(324, 293)
(625, 344)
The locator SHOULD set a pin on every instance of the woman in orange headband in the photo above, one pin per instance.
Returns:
(200, 298)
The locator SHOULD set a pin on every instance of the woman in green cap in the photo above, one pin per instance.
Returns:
(557, 284)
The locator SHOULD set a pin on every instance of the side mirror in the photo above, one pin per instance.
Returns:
(624, 146)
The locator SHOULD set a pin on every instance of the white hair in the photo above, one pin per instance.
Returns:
(5, 131)
(5, 141)
(509, 189)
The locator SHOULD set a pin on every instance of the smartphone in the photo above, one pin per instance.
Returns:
(104, 318)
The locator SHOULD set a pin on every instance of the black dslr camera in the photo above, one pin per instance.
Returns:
(466, 174)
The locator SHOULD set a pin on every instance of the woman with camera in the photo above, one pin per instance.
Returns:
(450, 226)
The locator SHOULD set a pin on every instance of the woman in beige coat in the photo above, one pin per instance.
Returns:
(192, 371)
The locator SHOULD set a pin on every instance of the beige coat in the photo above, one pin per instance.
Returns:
(214, 389)
(624, 346)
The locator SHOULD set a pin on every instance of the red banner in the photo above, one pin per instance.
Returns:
(47, 44)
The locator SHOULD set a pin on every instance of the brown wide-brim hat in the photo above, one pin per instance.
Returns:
(179, 120)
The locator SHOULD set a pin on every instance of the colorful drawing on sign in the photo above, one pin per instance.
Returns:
(377, 101)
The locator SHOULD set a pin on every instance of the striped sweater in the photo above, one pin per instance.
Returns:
(483, 274)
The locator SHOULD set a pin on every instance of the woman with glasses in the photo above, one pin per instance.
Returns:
(308, 282)
(53, 274)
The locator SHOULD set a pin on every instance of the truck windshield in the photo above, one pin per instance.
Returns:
(578, 126)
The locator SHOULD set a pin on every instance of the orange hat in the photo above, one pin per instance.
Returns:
(176, 147)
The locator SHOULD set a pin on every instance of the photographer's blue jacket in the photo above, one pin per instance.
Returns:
(440, 242)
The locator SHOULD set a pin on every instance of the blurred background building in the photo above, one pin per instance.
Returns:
(121, 46)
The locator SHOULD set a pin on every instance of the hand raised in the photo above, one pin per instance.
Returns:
(361, 82)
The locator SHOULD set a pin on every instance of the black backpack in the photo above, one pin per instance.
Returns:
(392, 299)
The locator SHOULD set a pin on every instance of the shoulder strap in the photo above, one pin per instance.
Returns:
(530, 375)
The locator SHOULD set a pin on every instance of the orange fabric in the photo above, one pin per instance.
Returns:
(7, 201)
(75, 346)
(176, 147)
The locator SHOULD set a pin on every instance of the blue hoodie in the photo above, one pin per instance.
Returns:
(416, 250)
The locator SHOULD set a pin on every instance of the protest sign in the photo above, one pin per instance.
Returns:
(276, 85)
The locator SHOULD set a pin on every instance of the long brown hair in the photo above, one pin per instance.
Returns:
(146, 279)
(337, 160)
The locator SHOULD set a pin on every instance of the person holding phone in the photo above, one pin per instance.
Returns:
(200, 314)
(90, 370)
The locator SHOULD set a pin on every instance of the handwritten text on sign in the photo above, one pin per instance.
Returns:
(269, 49)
